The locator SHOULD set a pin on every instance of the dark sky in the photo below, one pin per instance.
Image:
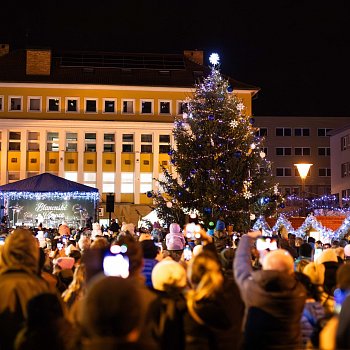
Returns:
(296, 51)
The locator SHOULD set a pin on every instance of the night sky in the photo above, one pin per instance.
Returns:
(296, 51)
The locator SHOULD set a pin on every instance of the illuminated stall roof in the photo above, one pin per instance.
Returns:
(48, 186)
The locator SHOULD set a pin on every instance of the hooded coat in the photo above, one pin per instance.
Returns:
(274, 303)
(19, 282)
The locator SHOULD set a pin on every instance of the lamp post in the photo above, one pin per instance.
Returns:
(303, 169)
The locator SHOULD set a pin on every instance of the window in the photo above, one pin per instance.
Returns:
(283, 151)
(128, 106)
(164, 143)
(283, 132)
(146, 106)
(264, 149)
(13, 176)
(33, 141)
(324, 151)
(15, 103)
(71, 175)
(91, 105)
(345, 170)
(72, 104)
(180, 107)
(301, 132)
(262, 132)
(127, 183)
(109, 105)
(1, 103)
(52, 142)
(15, 135)
(109, 144)
(90, 142)
(34, 104)
(324, 172)
(90, 179)
(283, 172)
(164, 107)
(71, 142)
(53, 104)
(323, 131)
(108, 182)
(302, 151)
(145, 182)
(128, 143)
(345, 142)
(146, 143)
(14, 141)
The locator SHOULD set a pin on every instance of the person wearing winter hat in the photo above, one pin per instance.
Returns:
(211, 228)
(330, 261)
(169, 281)
(175, 241)
(221, 238)
(19, 282)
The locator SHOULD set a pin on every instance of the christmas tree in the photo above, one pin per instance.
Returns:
(220, 169)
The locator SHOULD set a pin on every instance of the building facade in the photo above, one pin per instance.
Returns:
(340, 146)
(292, 140)
(101, 119)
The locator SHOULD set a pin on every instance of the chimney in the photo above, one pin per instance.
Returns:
(38, 62)
(4, 49)
(195, 56)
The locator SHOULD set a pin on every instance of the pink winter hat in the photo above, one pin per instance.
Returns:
(65, 263)
(174, 228)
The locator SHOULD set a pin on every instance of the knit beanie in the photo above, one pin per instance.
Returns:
(220, 225)
(327, 255)
(315, 272)
(168, 273)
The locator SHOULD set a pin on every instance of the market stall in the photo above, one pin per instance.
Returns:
(50, 200)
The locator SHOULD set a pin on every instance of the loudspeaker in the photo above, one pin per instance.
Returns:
(110, 203)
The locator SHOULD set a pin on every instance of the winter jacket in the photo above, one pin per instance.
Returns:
(166, 323)
(274, 303)
(148, 265)
(312, 314)
(19, 282)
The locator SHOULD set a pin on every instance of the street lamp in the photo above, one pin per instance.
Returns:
(303, 169)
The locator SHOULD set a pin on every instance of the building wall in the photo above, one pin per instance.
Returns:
(340, 145)
(310, 148)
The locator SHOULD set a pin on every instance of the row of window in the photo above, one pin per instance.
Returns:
(322, 172)
(289, 132)
(52, 142)
(108, 180)
(302, 151)
(91, 105)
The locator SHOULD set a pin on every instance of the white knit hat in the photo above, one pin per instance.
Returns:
(168, 273)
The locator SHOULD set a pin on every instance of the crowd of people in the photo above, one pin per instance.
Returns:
(190, 287)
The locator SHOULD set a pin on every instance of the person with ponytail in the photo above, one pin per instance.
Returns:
(209, 314)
